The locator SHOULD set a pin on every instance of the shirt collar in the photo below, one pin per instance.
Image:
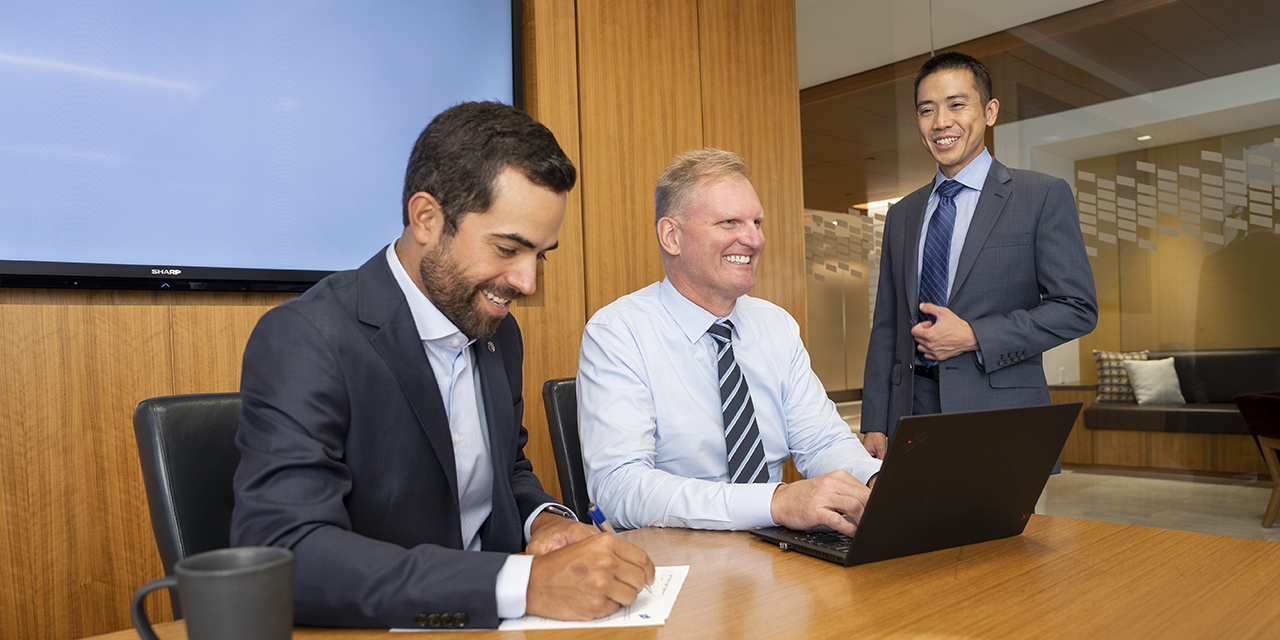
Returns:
(431, 324)
(973, 175)
(692, 319)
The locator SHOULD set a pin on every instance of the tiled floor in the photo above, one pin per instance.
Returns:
(1225, 506)
(1220, 505)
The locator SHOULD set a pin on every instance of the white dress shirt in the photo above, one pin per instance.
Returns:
(649, 412)
(453, 364)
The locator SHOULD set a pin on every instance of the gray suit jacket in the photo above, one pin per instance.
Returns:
(1023, 283)
(347, 459)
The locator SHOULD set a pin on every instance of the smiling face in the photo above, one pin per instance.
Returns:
(953, 120)
(713, 250)
(473, 276)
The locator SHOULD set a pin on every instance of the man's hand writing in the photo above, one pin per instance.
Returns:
(587, 579)
(550, 532)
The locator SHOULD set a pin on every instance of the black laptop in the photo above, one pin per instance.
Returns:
(948, 480)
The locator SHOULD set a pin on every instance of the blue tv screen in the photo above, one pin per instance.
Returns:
(238, 144)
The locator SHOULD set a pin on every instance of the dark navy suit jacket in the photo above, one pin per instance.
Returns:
(347, 458)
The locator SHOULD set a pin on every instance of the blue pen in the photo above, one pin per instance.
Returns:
(603, 525)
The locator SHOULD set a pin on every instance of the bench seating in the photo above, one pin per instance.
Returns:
(1209, 379)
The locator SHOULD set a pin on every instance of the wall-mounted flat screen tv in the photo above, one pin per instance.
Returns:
(229, 145)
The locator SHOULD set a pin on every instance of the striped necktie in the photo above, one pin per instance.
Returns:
(742, 442)
(936, 259)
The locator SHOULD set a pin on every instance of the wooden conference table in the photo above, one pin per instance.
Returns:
(1062, 578)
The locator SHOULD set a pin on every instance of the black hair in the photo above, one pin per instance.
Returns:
(956, 60)
(460, 155)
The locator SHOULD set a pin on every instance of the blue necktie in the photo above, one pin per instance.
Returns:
(937, 252)
(742, 442)
(937, 247)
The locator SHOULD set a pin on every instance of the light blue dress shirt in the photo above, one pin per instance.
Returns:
(452, 362)
(972, 176)
(649, 412)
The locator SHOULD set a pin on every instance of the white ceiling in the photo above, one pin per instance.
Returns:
(838, 38)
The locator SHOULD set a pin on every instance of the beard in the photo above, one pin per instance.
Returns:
(457, 296)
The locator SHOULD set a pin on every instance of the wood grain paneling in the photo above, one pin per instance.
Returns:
(640, 105)
(1062, 578)
(77, 535)
(750, 85)
(1180, 451)
(552, 329)
(1079, 447)
(208, 343)
(1121, 448)
(1238, 454)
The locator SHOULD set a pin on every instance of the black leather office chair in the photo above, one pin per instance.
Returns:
(188, 452)
(561, 400)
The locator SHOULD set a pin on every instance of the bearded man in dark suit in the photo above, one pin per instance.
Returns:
(381, 433)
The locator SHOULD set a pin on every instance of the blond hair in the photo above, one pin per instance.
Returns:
(687, 171)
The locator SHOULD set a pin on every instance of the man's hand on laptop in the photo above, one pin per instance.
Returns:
(836, 500)
(876, 443)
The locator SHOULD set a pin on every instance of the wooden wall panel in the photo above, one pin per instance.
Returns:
(77, 535)
(750, 105)
(1238, 454)
(208, 345)
(1121, 448)
(552, 319)
(1079, 447)
(74, 364)
(1180, 451)
(640, 105)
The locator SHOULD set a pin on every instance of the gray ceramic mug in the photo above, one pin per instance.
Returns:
(241, 593)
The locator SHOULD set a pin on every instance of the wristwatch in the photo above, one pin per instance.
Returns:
(561, 511)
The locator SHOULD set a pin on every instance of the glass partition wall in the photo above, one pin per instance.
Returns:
(1164, 118)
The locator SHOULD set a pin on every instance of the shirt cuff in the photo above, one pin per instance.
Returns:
(528, 522)
(750, 505)
(513, 586)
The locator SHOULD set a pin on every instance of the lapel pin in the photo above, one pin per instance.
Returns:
(491, 349)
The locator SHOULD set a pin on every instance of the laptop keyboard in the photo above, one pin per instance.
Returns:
(833, 540)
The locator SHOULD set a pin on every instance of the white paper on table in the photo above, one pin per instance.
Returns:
(649, 609)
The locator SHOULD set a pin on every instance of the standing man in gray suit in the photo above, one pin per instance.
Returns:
(981, 270)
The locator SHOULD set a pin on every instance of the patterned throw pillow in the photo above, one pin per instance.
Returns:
(1113, 380)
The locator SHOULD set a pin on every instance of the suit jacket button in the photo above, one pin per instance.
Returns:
(434, 621)
(460, 619)
(420, 619)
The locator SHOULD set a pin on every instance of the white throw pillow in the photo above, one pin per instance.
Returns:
(1154, 381)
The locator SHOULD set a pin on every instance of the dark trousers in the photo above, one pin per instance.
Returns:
(924, 396)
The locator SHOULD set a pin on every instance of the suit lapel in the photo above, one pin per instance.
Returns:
(382, 306)
(995, 194)
(498, 411)
(915, 220)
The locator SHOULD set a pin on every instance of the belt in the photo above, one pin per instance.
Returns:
(927, 372)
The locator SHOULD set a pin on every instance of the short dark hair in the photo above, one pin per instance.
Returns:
(956, 60)
(460, 155)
